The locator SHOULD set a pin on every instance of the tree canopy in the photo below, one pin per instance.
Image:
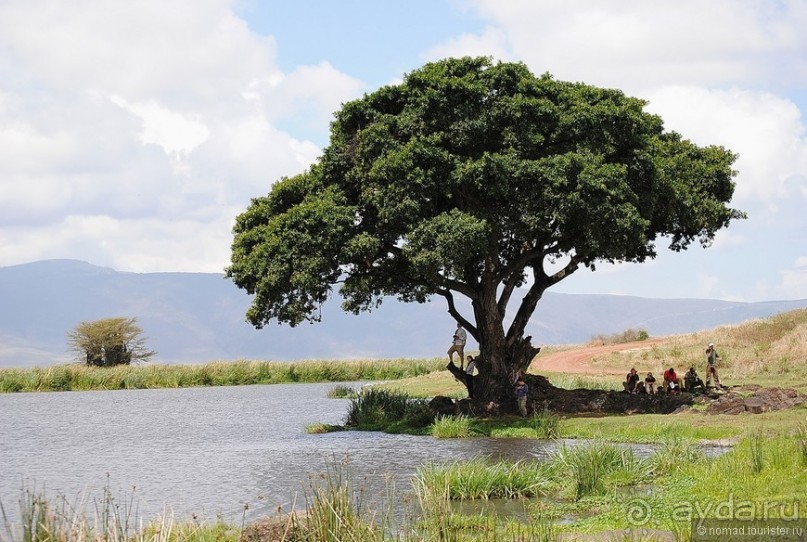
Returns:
(109, 341)
(465, 179)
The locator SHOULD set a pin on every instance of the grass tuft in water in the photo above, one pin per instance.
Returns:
(376, 409)
(342, 391)
(546, 423)
(452, 427)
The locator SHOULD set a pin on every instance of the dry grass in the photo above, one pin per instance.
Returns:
(772, 350)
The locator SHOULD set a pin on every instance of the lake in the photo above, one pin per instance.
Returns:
(209, 452)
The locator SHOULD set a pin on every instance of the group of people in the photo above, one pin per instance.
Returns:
(671, 382)
(458, 341)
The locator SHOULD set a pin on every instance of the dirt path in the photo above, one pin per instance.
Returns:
(579, 360)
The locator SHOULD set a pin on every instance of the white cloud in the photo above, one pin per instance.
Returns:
(794, 280)
(635, 44)
(492, 42)
(131, 134)
(766, 131)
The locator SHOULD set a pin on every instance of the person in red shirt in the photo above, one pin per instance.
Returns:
(671, 383)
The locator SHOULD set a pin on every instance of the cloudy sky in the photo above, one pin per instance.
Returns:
(133, 132)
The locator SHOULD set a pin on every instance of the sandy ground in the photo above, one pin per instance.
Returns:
(579, 360)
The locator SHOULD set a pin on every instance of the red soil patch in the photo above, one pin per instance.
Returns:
(579, 360)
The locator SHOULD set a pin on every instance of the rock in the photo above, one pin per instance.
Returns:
(442, 405)
(761, 400)
(755, 405)
(730, 404)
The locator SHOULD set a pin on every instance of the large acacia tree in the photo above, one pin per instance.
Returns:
(465, 180)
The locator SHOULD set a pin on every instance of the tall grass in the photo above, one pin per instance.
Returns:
(382, 409)
(480, 478)
(546, 423)
(336, 512)
(453, 427)
(342, 391)
(594, 467)
(82, 377)
(108, 519)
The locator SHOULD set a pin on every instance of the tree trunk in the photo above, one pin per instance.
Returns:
(500, 361)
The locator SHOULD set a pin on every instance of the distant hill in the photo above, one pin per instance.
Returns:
(199, 317)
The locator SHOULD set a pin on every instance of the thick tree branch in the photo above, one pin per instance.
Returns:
(513, 273)
(541, 282)
(452, 310)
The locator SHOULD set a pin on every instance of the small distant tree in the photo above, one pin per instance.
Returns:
(109, 341)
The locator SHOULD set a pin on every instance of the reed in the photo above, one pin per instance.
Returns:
(480, 478)
(342, 391)
(83, 377)
(546, 423)
(335, 512)
(675, 455)
(383, 409)
(452, 427)
(596, 466)
(111, 519)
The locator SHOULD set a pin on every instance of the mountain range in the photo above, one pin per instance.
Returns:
(199, 317)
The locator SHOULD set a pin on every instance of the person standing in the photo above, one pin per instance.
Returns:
(458, 344)
(469, 376)
(522, 390)
(711, 365)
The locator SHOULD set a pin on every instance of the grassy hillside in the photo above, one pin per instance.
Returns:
(768, 352)
(772, 351)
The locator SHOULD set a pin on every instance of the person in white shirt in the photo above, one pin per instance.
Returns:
(458, 344)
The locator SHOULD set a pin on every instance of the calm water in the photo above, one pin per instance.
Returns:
(206, 451)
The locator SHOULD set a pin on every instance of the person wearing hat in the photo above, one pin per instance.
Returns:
(711, 365)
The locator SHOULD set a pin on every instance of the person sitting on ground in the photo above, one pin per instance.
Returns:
(671, 383)
(650, 384)
(631, 381)
(692, 381)
(522, 390)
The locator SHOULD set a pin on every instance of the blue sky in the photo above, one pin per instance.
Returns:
(132, 134)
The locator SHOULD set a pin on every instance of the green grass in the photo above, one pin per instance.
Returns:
(452, 427)
(81, 377)
(343, 391)
(481, 478)
(376, 409)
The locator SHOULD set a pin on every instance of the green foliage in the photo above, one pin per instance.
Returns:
(471, 169)
(452, 427)
(109, 342)
(594, 467)
(81, 377)
(480, 478)
(546, 423)
(627, 336)
(376, 409)
(342, 391)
